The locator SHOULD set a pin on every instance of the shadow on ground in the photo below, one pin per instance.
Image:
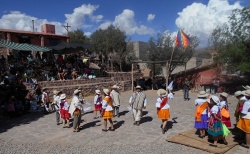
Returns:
(7, 122)
(146, 119)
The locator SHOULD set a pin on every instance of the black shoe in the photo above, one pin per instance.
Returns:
(110, 129)
(104, 130)
(225, 142)
(201, 136)
(58, 123)
(245, 146)
(134, 123)
(163, 131)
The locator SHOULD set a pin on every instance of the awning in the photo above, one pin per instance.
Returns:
(22, 46)
(65, 47)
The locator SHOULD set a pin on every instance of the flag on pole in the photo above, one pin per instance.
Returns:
(182, 40)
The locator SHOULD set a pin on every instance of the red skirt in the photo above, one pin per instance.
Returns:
(65, 114)
(98, 107)
(226, 121)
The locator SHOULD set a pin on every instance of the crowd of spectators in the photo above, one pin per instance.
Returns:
(23, 66)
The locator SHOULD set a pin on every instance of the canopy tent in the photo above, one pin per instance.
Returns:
(65, 47)
(22, 46)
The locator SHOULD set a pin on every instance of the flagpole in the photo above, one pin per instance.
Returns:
(168, 66)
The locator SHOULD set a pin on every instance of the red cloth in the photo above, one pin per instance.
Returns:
(65, 114)
(98, 107)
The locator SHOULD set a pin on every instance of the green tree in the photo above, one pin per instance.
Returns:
(111, 44)
(78, 36)
(232, 42)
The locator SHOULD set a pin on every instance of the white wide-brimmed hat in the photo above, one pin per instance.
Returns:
(238, 93)
(215, 99)
(224, 94)
(115, 87)
(247, 93)
(138, 87)
(98, 91)
(246, 87)
(56, 92)
(63, 96)
(106, 91)
(162, 93)
(202, 94)
(77, 91)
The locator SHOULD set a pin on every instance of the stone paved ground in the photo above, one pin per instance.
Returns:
(38, 133)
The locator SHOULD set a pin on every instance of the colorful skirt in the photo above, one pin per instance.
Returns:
(203, 124)
(164, 114)
(65, 114)
(107, 115)
(98, 107)
(244, 125)
(216, 129)
(226, 121)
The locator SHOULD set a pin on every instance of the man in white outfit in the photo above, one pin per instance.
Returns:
(115, 95)
(138, 101)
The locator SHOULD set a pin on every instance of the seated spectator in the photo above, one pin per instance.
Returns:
(74, 74)
(60, 74)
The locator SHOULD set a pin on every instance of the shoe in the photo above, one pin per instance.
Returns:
(104, 130)
(200, 136)
(138, 124)
(110, 129)
(95, 117)
(134, 123)
(212, 145)
(58, 123)
(163, 131)
(161, 126)
(244, 145)
(225, 142)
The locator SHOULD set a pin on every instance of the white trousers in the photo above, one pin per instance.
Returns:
(137, 114)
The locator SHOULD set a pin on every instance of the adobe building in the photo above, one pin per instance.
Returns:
(47, 37)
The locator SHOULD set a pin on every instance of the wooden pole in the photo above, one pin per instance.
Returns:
(132, 77)
(168, 66)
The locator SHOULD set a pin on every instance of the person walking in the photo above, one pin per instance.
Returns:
(186, 88)
(64, 110)
(56, 102)
(75, 110)
(45, 100)
(107, 111)
(163, 108)
(244, 122)
(201, 116)
(138, 102)
(115, 95)
(98, 103)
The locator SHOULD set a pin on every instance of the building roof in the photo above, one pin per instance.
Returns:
(30, 32)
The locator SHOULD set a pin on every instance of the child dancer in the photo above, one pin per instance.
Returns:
(201, 113)
(215, 124)
(107, 110)
(163, 108)
(98, 103)
(64, 110)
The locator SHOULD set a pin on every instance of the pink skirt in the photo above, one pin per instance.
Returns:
(98, 107)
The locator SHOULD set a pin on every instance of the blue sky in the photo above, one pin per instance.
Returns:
(139, 19)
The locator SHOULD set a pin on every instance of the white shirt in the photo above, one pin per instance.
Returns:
(170, 96)
(214, 110)
(106, 106)
(158, 104)
(43, 97)
(199, 102)
(246, 110)
(96, 100)
(222, 104)
(130, 99)
(56, 101)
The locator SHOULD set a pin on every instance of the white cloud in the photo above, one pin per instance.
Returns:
(78, 17)
(151, 17)
(20, 21)
(200, 20)
(126, 22)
